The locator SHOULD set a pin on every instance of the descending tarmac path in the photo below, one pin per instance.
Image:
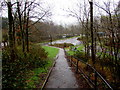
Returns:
(61, 75)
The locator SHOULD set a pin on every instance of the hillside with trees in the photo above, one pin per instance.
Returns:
(28, 26)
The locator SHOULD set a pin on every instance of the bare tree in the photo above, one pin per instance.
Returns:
(83, 14)
(111, 23)
(22, 13)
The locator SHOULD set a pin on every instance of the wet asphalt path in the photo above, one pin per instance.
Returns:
(74, 41)
(61, 75)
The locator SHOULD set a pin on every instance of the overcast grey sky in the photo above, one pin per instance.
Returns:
(59, 7)
(60, 16)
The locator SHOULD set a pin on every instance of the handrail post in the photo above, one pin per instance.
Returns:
(68, 58)
(77, 66)
(95, 80)
(71, 60)
(64, 51)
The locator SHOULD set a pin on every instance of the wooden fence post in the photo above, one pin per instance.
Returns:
(77, 67)
(70, 61)
(95, 80)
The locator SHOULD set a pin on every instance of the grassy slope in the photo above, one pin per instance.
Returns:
(37, 76)
(79, 47)
(52, 52)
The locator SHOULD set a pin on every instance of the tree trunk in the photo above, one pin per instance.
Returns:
(10, 20)
(92, 35)
(21, 28)
(10, 33)
(27, 34)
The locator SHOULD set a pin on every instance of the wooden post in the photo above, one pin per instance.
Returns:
(77, 66)
(95, 80)
(71, 61)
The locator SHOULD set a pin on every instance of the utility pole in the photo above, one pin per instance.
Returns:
(92, 33)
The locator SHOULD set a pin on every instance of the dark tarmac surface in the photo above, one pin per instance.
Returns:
(61, 75)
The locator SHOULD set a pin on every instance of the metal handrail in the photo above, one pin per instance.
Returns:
(98, 74)
(94, 70)
(104, 80)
